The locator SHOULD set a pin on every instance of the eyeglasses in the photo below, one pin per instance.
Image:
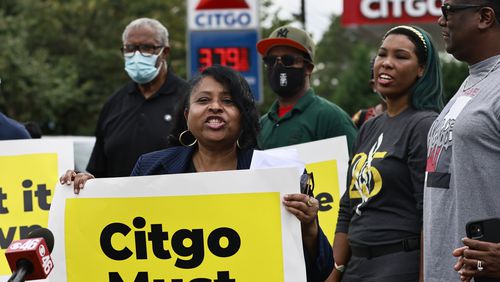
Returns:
(146, 50)
(447, 8)
(307, 184)
(286, 60)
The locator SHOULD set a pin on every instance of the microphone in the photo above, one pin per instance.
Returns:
(29, 259)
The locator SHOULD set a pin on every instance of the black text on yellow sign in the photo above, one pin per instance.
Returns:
(40, 193)
(199, 238)
(26, 188)
(188, 246)
(327, 192)
(38, 196)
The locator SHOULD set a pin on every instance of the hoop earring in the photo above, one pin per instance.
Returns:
(238, 140)
(183, 144)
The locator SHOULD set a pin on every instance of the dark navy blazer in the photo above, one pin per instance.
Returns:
(178, 159)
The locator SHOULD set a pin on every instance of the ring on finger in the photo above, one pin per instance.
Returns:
(310, 202)
(479, 265)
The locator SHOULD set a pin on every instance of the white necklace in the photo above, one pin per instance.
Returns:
(467, 88)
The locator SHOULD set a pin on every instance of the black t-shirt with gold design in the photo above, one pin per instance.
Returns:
(385, 181)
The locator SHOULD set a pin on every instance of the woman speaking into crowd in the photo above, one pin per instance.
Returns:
(380, 219)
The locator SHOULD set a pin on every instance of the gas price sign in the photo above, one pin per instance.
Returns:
(225, 32)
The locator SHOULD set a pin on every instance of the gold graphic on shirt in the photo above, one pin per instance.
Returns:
(366, 180)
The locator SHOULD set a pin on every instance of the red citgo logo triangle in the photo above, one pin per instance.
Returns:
(222, 4)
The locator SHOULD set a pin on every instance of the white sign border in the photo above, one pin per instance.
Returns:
(284, 180)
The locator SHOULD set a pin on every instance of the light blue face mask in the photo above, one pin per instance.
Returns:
(142, 69)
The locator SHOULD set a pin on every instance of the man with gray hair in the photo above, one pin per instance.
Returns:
(137, 118)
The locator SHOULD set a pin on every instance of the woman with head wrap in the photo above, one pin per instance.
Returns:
(380, 219)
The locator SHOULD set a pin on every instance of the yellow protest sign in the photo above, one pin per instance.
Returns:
(183, 227)
(29, 170)
(175, 237)
(328, 161)
(327, 192)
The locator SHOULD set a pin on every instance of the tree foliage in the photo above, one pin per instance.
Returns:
(344, 68)
(60, 60)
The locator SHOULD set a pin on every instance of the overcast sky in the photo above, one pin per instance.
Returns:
(318, 13)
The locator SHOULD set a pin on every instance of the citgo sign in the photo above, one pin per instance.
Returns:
(222, 14)
(359, 12)
(225, 32)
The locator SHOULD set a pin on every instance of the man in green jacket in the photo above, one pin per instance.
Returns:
(298, 115)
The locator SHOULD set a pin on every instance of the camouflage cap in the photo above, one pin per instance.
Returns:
(288, 36)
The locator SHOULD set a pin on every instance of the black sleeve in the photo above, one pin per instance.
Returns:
(344, 217)
(98, 163)
(417, 159)
(320, 269)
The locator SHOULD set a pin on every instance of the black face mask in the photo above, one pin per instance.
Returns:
(286, 82)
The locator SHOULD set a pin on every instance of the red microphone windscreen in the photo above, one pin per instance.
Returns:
(32, 253)
(46, 234)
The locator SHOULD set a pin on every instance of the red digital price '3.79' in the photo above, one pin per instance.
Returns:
(235, 57)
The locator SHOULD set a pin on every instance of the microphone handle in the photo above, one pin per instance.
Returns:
(18, 275)
(24, 267)
(21, 274)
